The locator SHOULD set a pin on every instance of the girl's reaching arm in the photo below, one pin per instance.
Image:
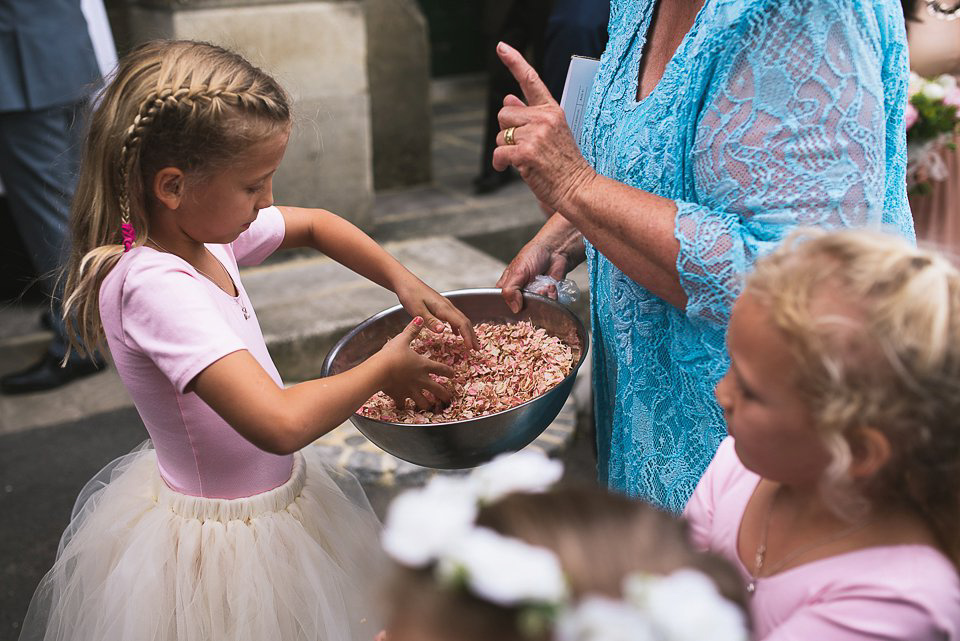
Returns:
(283, 420)
(345, 243)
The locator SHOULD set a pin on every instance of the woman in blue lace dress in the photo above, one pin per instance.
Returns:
(713, 128)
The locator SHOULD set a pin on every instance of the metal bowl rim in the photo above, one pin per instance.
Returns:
(334, 351)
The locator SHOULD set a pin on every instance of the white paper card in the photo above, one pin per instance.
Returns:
(576, 90)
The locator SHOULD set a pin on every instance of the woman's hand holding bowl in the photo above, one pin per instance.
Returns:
(555, 250)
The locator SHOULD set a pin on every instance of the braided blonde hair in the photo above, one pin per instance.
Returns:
(190, 105)
(874, 326)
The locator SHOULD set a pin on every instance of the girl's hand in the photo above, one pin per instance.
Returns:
(421, 300)
(408, 373)
(543, 149)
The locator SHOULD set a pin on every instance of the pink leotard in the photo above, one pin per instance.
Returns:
(165, 323)
(885, 592)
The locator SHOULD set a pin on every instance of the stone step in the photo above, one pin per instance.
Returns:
(304, 306)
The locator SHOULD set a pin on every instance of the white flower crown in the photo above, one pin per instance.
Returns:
(435, 526)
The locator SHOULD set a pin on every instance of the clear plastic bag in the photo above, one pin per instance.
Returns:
(564, 291)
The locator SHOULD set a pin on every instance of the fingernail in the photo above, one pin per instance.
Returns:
(418, 321)
(501, 47)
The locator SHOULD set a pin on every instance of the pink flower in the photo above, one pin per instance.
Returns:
(953, 97)
(911, 115)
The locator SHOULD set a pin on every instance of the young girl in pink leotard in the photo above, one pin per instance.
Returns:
(230, 526)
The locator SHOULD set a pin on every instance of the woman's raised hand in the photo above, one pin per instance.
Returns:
(408, 373)
(540, 144)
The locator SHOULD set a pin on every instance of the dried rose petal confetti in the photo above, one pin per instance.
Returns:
(515, 363)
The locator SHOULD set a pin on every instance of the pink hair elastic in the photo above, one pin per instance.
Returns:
(129, 235)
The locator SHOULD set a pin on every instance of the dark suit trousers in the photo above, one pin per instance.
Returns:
(550, 32)
(39, 160)
(575, 28)
(522, 27)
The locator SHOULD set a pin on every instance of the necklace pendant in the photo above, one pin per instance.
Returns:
(751, 587)
(243, 308)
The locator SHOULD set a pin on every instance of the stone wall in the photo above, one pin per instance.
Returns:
(398, 65)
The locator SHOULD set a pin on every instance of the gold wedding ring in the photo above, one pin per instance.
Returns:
(508, 136)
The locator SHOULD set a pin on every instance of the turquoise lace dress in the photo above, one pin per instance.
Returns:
(772, 114)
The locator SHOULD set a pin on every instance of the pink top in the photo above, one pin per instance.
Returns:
(890, 592)
(165, 323)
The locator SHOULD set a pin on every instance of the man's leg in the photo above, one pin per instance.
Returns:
(523, 29)
(39, 159)
(575, 28)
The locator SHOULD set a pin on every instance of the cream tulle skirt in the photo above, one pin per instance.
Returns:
(141, 562)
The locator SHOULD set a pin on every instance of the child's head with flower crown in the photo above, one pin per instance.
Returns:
(498, 556)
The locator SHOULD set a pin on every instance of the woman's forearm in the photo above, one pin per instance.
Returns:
(564, 238)
(633, 228)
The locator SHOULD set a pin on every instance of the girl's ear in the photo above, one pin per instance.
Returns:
(871, 451)
(168, 187)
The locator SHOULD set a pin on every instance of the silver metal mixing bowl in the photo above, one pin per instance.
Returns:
(466, 443)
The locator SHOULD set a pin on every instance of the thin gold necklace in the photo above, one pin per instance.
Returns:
(762, 548)
(237, 298)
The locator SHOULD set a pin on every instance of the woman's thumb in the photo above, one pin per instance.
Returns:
(514, 299)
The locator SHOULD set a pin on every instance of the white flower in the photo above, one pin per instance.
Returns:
(503, 570)
(685, 606)
(526, 471)
(421, 524)
(934, 91)
(603, 619)
(916, 85)
(947, 81)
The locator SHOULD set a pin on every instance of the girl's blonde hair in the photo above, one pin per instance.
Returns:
(190, 105)
(599, 538)
(874, 325)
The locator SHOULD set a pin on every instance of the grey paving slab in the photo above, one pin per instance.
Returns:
(415, 201)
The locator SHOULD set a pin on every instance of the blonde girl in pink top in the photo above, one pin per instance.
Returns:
(837, 494)
(229, 527)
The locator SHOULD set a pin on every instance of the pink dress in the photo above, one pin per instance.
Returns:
(165, 323)
(201, 535)
(890, 592)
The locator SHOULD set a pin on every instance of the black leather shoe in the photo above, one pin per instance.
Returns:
(488, 183)
(47, 374)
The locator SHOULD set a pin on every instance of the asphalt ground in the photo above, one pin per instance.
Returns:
(41, 473)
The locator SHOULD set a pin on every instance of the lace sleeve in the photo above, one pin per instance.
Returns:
(793, 132)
